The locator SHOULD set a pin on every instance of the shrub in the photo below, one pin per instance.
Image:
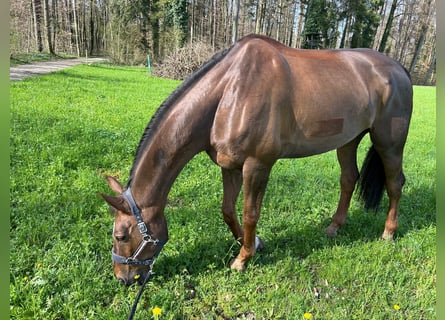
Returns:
(182, 62)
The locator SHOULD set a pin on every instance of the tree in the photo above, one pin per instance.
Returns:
(235, 18)
(128, 30)
(260, 14)
(47, 19)
(388, 26)
(320, 24)
(430, 73)
(76, 28)
(425, 15)
(37, 11)
(366, 22)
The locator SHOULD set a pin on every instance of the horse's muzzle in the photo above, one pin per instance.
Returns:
(132, 278)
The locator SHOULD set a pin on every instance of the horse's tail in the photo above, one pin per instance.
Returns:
(371, 183)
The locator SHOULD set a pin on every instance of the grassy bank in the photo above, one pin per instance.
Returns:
(26, 58)
(70, 128)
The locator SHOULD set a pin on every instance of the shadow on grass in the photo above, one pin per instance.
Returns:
(286, 238)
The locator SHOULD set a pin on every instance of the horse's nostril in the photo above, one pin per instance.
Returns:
(126, 281)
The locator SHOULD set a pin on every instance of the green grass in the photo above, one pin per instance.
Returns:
(70, 128)
(26, 58)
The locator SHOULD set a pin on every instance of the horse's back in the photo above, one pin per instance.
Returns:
(284, 102)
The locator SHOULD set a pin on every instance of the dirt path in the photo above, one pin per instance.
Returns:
(36, 69)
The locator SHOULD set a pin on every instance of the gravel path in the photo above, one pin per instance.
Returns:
(36, 69)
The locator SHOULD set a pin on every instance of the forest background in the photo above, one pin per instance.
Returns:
(179, 35)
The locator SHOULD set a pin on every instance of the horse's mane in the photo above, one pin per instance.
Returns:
(165, 106)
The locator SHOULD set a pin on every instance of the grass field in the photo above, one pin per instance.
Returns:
(71, 128)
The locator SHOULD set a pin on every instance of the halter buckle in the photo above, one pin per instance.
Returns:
(130, 261)
(142, 227)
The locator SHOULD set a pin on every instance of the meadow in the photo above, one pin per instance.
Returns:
(71, 128)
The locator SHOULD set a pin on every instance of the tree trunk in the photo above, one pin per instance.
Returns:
(37, 11)
(92, 36)
(192, 20)
(49, 41)
(419, 46)
(301, 14)
(235, 20)
(155, 28)
(343, 40)
(260, 13)
(215, 25)
(76, 28)
(379, 32)
(388, 26)
(432, 67)
(291, 24)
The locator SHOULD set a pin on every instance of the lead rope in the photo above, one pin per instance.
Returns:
(128, 196)
(138, 296)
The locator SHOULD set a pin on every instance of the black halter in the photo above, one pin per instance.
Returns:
(146, 237)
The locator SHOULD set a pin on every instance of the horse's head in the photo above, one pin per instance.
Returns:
(135, 241)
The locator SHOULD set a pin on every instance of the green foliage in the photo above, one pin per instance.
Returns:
(165, 20)
(321, 21)
(366, 21)
(70, 128)
(323, 18)
(130, 27)
(176, 17)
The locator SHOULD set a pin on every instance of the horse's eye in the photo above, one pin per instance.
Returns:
(120, 238)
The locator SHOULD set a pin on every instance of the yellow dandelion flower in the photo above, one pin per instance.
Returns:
(157, 311)
(396, 307)
(25, 278)
(137, 276)
(307, 315)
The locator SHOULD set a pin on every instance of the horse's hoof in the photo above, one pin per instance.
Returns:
(237, 265)
(387, 236)
(259, 244)
(331, 231)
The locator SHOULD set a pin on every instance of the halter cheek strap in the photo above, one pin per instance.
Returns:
(146, 237)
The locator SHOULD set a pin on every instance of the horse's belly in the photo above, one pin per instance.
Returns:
(305, 144)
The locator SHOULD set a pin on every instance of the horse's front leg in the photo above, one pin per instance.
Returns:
(232, 181)
(255, 176)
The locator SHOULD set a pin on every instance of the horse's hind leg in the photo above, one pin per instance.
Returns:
(395, 179)
(394, 185)
(347, 158)
(389, 145)
(232, 181)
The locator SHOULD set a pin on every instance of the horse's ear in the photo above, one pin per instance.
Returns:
(117, 203)
(115, 185)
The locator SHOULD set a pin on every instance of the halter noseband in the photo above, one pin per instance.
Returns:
(146, 237)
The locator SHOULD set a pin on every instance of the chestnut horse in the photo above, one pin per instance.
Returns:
(250, 105)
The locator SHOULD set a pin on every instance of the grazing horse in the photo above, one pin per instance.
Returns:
(249, 106)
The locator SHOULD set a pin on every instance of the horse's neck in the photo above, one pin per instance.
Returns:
(184, 132)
